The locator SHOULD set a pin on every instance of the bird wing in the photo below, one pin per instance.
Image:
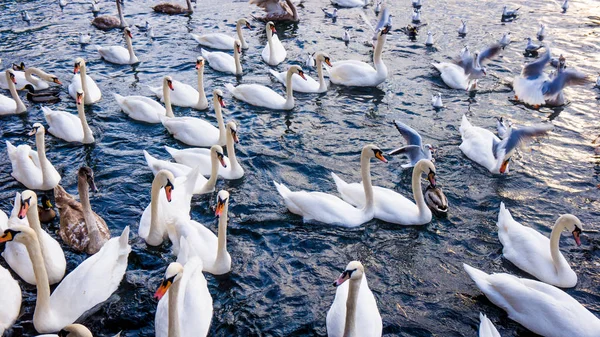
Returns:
(536, 68)
(465, 61)
(563, 79)
(411, 136)
(413, 152)
(490, 52)
(516, 136)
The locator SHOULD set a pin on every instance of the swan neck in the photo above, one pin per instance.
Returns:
(289, 96)
(20, 106)
(132, 57)
(322, 85)
(231, 152)
(365, 172)
(294, 10)
(271, 49)
(88, 215)
(40, 145)
(220, 122)
(190, 9)
(33, 80)
(201, 93)
(82, 75)
(39, 270)
(34, 222)
(154, 195)
(173, 330)
(240, 34)
(167, 99)
(417, 192)
(214, 172)
(559, 226)
(377, 60)
(88, 137)
(238, 64)
(222, 234)
(350, 325)
(123, 24)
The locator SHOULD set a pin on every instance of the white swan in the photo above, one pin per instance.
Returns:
(223, 62)
(350, 3)
(274, 52)
(486, 327)
(323, 207)
(119, 54)
(14, 105)
(32, 168)
(26, 80)
(73, 330)
(67, 126)
(184, 95)
(91, 283)
(539, 307)
(354, 310)
(309, 85)
(202, 185)
(391, 206)
(186, 309)
(15, 253)
(361, 74)
(202, 157)
(92, 92)
(195, 131)
(533, 253)
(145, 109)
(484, 148)
(154, 222)
(453, 75)
(260, 95)
(11, 300)
(223, 41)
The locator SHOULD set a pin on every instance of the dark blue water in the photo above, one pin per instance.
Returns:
(282, 269)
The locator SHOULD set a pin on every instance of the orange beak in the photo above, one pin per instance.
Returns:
(380, 156)
(199, 64)
(301, 74)
(170, 83)
(57, 81)
(13, 78)
(248, 25)
(168, 190)
(222, 160)
(6, 237)
(129, 34)
(76, 69)
(220, 207)
(222, 102)
(328, 62)
(78, 100)
(504, 166)
(431, 178)
(162, 290)
(235, 137)
(23, 209)
(273, 29)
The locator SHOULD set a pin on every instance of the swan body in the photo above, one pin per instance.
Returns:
(184, 95)
(26, 80)
(173, 8)
(309, 85)
(73, 330)
(277, 10)
(453, 75)
(14, 105)
(223, 62)
(32, 168)
(106, 22)
(354, 310)
(361, 74)
(197, 157)
(223, 41)
(198, 132)
(391, 206)
(88, 86)
(67, 126)
(80, 227)
(534, 253)
(145, 109)
(15, 253)
(329, 209)
(486, 327)
(260, 95)
(11, 300)
(119, 54)
(273, 53)
(101, 272)
(349, 3)
(539, 307)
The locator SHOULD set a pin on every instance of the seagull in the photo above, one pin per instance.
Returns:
(565, 6)
(509, 14)
(378, 7)
(429, 41)
(62, 4)
(541, 33)
(415, 150)
(473, 66)
(310, 61)
(346, 36)
(416, 16)
(598, 81)
(144, 27)
(502, 126)
(531, 48)
(95, 8)
(436, 101)
(84, 38)
(416, 4)
(558, 63)
(331, 15)
(25, 16)
(505, 40)
(462, 31)
(150, 32)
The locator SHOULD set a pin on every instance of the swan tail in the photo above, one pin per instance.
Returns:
(47, 111)
(230, 87)
(191, 179)
(479, 277)
(124, 247)
(184, 250)
(339, 182)
(204, 53)
(118, 98)
(274, 73)
(437, 66)
(195, 37)
(282, 189)
(504, 217)
(172, 151)
(464, 125)
(11, 149)
(151, 161)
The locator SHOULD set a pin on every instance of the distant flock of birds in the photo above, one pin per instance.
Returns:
(185, 306)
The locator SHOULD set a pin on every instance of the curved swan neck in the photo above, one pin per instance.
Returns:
(231, 151)
(82, 75)
(365, 172)
(222, 234)
(349, 324)
(88, 214)
(240, 34)
(214, 172)
(34, 222)
(15, 95)
(322, 84)
(201, 93)
(132, 57)
(270, 42)
(40, 144)
(289, 92)
(39, 270)
(167, 99)
(173, 330)
(559, 226)
(154, 195)
(377, 60)
(123, 24)
(416, 187)
(88, 137)
(34, 80)
(220, 121)
(236, 58)
(294, 10)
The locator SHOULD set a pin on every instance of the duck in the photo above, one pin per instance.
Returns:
(66, 126)
(47, 97)
(15, 254)
(329, 209)
(185, 306)
(202, 157)
(415, 150)
(223, 41)
(277, 11)
(14, 105)
(539, 307)
(26, 81)
(46, 213)
(81, 228)
(106, 22)
(486, 327)
(11, 300)
(145, 109)
(184, 95)
(361, 74)
(309, 85)
(436, 200)
(466, 70)
(350, 3)
(260, 95)
(354, 309)
(90, 283)
(198, 132)
(223, 62)
(173, 8)
(534, 253)
(484, 148)
(119, 54)
(84, 82)
(391, 206)
(273, 53)
(32, 168)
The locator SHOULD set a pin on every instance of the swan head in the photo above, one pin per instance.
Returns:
(245, 22)
(173, 274)
(373, 151)
(271, 27)
(79, 62)
(85, 173)
(222, 202)
(216, 151)
(37, 128)
(354, 271)
(18, 233)
(232, 129)
(572, 224)
(28, 200)
(427, 167)
(323, 57)
(10, 76)
(237, 46)
(218, 98)
(127, 33)
(75, 330)
(165, 179)
(296, 70)
(168, 81)
(199, 62)
(80, 96)
(52, 78)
